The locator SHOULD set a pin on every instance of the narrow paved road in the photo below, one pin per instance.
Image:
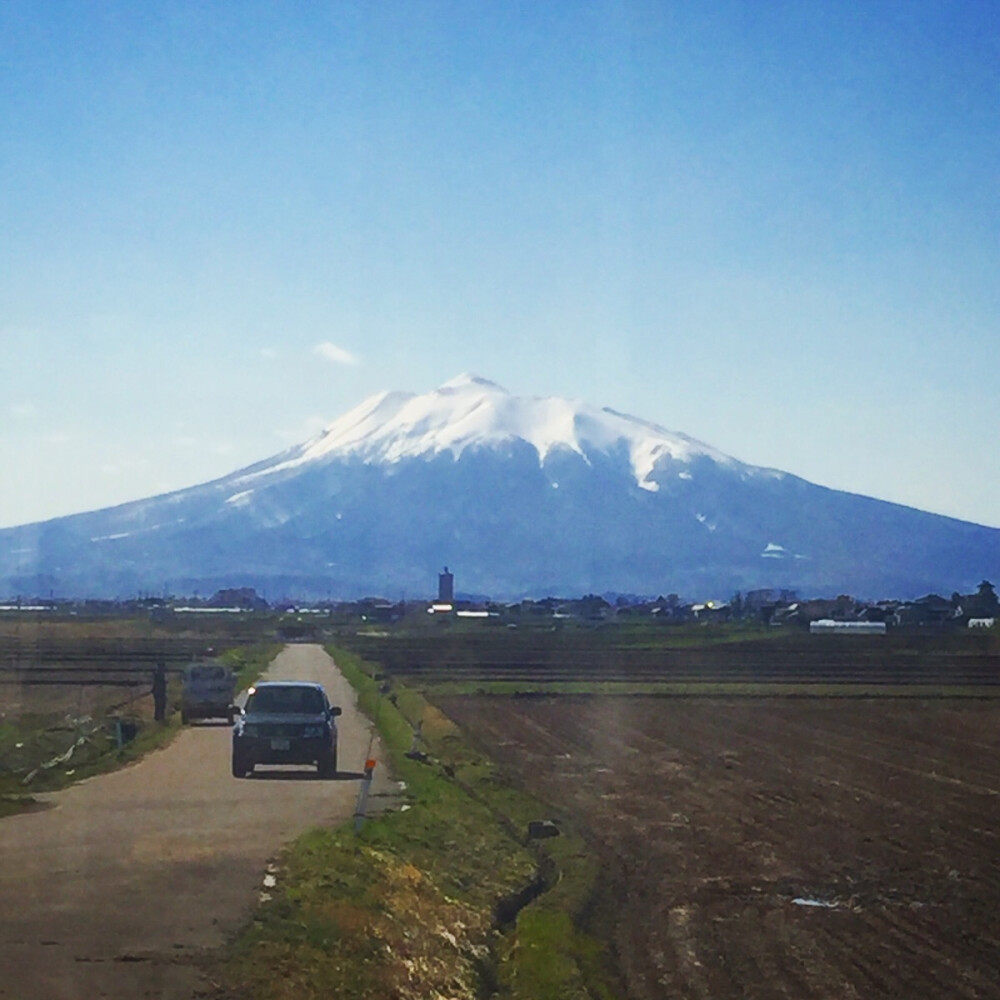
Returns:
(120, 886)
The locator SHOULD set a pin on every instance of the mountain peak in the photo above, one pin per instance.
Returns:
(469, 380)
(471, 412)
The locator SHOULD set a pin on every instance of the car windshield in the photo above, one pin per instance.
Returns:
(292, 700)
(211, 672)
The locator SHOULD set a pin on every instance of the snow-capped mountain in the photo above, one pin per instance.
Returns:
(470, 412)
(521, 496)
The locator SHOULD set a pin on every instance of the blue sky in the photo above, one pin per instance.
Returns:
(772, 226)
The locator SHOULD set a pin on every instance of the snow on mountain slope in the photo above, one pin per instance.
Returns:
(472, 412)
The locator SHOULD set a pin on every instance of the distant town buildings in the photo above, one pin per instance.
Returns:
(844, 614)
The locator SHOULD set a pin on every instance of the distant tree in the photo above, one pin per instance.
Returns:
(987, 599)
(592, 604)
(843, 606)
(238, 597)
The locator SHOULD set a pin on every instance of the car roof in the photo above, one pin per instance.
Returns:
(287, 684)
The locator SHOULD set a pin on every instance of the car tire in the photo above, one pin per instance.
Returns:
(326, 766)
(241, 769)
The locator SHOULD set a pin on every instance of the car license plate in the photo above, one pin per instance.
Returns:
(279, 744)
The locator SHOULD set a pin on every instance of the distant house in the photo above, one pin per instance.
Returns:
(930, 610)
(884, 611)
(803, 612)
(982, 604)
(671, 611)
(761, 604)
(715, 611)
(590, 608)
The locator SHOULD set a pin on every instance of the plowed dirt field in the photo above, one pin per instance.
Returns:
(775, 848)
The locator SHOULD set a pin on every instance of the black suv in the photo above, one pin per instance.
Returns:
(286, 722)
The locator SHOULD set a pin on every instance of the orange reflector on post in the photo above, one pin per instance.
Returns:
(369, 765)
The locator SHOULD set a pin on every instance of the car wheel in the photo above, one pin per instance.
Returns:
(326, 766)
(231, 716)
(241, 769)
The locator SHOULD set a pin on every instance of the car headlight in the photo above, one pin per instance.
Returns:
(312, 732)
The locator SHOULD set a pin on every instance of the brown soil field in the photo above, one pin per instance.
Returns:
(662, 655)
(60, 668)
(774, 848)
(74, 700)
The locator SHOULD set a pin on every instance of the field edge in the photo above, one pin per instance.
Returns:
(441, 892)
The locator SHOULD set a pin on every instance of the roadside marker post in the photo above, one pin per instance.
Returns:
(366, 784)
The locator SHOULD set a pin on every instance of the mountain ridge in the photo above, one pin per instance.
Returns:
(470, 411)
(522, 495)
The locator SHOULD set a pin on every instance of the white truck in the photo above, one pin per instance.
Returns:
(207, 692)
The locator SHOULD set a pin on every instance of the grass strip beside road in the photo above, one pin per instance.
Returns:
(32, 751)
(432, 899)
(250, 662)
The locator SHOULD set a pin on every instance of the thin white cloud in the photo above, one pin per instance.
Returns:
(268, 353)
(331, 352)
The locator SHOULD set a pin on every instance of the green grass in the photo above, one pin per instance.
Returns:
(411, 908)
(249, 662)
(28, 745)
(477, 794)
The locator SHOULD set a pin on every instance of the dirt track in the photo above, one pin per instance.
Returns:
(121, 886)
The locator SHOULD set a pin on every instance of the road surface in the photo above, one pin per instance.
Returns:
(128, 879)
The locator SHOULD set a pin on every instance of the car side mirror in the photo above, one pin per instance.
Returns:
(334, 711)
(236, 710)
